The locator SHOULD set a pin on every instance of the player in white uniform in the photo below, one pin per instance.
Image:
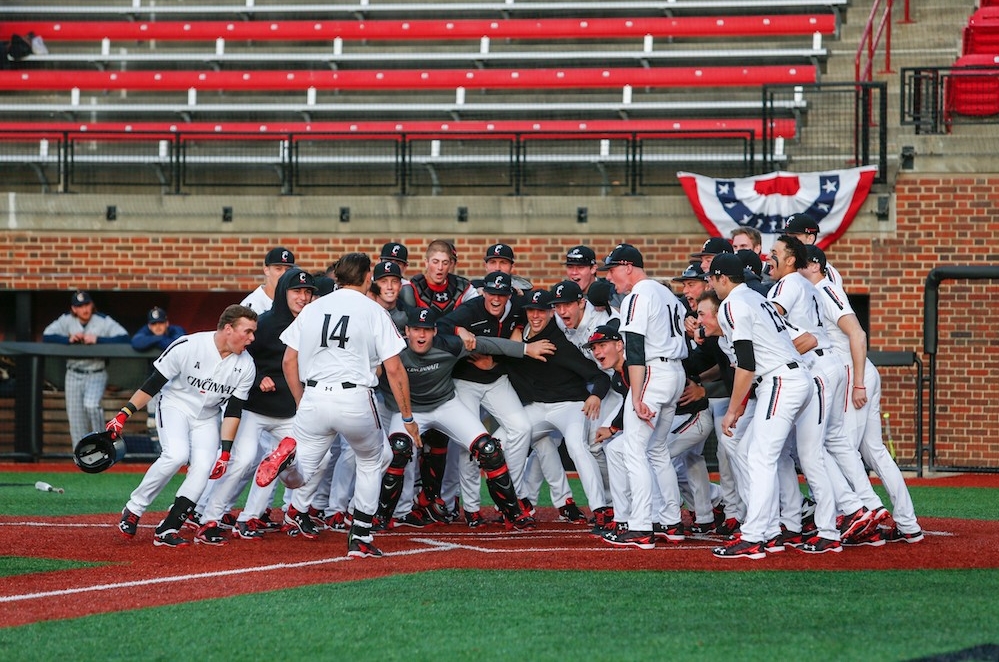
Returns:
(198, 376)
(277, 261)
(804, 228)
(335, 346)
(796, 299)
(849, 342)
(766, 356)
(652, 326)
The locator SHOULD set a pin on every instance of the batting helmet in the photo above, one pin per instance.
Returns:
(97, 452)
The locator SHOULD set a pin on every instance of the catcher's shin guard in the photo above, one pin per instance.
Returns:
(490, 456)
(402, 453)
(432, 462)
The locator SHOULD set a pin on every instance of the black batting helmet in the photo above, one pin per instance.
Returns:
(98, 451)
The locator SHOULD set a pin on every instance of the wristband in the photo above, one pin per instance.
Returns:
(410, 419)
(128, 408)
(226, 445)
(860, 388)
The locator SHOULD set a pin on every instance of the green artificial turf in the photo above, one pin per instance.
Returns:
(544, 615)
(21, 565)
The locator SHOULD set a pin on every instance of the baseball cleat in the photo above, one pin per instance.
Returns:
(210, 534)
(670, 533)
(246, 531)
(415, 518)
(474, 519)
(169, 539)
(129, 523)
(864, 539)
(627, 538)
(277, 461)
(296, 523)
(338, 521)
(739, 549)
(819, 545)
(856, 522)
(571, 513)
(894, 535)
(360, 549)
(227, 522)
(727, 528)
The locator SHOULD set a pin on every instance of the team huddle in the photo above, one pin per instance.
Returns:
(385, 402)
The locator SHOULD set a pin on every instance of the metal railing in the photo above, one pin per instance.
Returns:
(934, 99)
(847, 127)
(403, 163)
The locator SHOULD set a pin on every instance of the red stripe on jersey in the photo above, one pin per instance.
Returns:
(631, 309)
(727, 310)
(835, 297)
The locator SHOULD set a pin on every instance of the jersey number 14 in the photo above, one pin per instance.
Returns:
(339, 332)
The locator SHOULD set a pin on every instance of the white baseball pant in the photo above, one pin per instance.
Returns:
(83, 403)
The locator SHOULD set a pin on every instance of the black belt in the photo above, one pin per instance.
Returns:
(313, 382)
(820, 352)
(791, 366)
(87, 372)
(660, 358)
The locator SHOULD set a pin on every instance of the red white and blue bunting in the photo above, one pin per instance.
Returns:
(832, 198)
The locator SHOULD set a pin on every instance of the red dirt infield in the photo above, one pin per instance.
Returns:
(140, 575)
(136, 574)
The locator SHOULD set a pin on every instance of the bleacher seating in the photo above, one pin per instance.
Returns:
(615, 63)
(973, 86)
(981, 34)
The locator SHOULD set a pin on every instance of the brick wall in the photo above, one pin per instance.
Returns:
(940, 220)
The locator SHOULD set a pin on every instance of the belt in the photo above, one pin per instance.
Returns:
(661, 358)
(313, 383)
(87, 372)
(791, 366)
(820, 352)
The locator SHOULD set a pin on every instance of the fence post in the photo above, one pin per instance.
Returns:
(175, 161)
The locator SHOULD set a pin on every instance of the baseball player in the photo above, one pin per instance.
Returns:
(767, 358)
(556, 397)
(397, 253)
(269, 409)
(655, 346)
(500, 257)
(277, 261)
(437, 287)
(86, 379)
(482, 381)
(712, 246)
(429, 360)
(581, 268)
(804, 228)
(199, 376)
(796, 299)
(333, 348)
(157, 334)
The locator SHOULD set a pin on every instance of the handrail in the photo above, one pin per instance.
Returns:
(871, 39)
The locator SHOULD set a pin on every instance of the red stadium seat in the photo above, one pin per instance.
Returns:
(981, 34)
(975, 90)
(409, 79)
(439, 29)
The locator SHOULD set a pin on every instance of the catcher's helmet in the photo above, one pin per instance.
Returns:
(97, 452)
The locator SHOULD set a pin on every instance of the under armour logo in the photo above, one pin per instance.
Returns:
(441, 297)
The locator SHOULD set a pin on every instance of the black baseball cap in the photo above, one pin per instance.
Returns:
(499, 250)
(621, 255)
(302, 280)
(726, 264)
(599, 292)
(693, 272)
(383, 269)
(80, 298)
(568, 291)
(816, 255)
(497, 282)
(421, 318)
(279, 255)
(800, 224)
(155, 315)
(395, 252)
(603, 333)
(581, 255)
(751, 260)
(714, 246)
(537, 299)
